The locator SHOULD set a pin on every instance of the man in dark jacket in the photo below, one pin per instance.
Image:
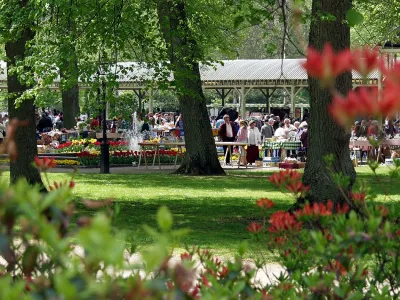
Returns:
(227, 133)
(45, 124)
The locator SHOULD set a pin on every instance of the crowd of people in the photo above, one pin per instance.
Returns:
(252, 131)
(255, 131)
(371, 128)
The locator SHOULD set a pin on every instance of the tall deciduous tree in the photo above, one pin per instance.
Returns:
(326, 137)
(69, 72)
(380, 23)
(184, 53)
(16, 46)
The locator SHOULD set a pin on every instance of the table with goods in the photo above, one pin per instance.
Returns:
(282, 162)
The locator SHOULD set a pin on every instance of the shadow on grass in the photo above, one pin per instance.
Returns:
(215, 209)
(160, 181)
(213, 224)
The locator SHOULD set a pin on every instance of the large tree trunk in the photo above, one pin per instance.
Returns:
(25, 136)
(325, 135)
(70, 92)
(69, 72)
(70, 105)
(201, 155)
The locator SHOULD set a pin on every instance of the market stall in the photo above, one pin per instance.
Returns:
(283, 145)
(229, 150)
(364, 145)
(154, 147)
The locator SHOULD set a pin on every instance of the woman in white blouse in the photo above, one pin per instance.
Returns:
(280, 133)
(253, 139)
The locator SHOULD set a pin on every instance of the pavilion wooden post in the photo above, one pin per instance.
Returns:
(223, 94)
(292, 100)
(243, 101)
(267, 96)
(151, 100)
(140, 94)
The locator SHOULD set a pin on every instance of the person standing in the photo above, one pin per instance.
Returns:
(219, 122)
(267, 132)
(253, 139)
(5, 120)
(363, 130)
(227, 133)
(291, 135)
(304, 135)
(60, 123)
(277, 122)
(389, 127)
(242, 138)
(45, 124)
(3, 129)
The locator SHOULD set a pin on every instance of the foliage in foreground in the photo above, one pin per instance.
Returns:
(348, 250)
(344, 255)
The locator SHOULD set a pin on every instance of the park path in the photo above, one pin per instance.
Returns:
(264, 276)
(141, 170)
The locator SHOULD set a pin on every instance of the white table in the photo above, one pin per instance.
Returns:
(156, 147)
(230, 145)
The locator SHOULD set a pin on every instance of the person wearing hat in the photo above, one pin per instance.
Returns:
(253, 139)
(227, 133)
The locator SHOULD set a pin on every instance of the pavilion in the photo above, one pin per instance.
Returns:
(241, 76)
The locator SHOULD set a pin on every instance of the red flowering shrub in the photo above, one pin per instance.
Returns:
(43, 164)
(283, 222)
(327, 65)
(265, 203)
(255, 227)
(360, 255)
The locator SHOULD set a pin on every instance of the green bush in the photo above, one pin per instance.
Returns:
(326, 251)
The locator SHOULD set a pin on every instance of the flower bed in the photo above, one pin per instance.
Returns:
(87, 158)
(87, 152)
(91, 144)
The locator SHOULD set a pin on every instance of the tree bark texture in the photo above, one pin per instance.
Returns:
(25, 137)
(70, 93)
(201, 155)
(70, 105)
(325, 135)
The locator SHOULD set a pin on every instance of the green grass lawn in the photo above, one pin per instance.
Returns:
(216, 209)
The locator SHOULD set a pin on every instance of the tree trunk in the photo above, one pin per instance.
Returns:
(201, 155)
(325, 135)
(25, 136)
(70, 93)
(69, 72)
(70, 105)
